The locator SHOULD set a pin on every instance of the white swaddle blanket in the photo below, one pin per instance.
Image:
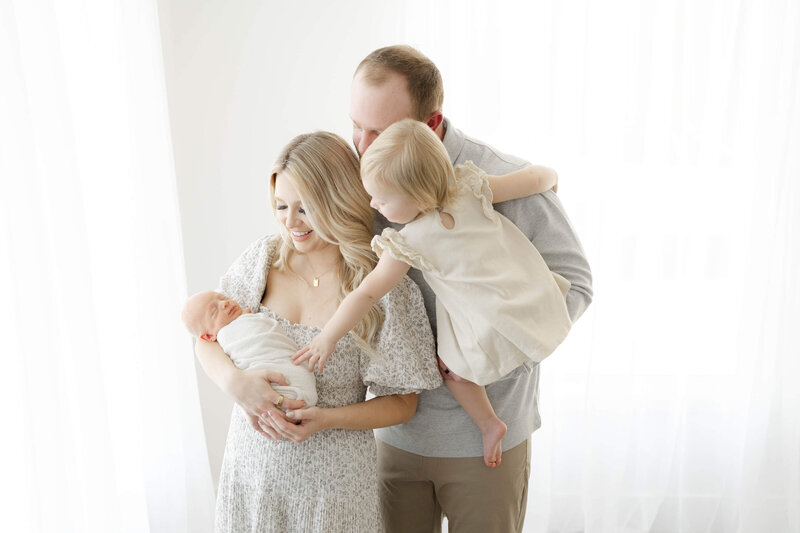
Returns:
(256, 341)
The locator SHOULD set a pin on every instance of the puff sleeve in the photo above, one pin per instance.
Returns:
(405, 361)
(472, 180)
(246, 278)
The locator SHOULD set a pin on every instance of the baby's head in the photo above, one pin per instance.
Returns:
(407, 171)
(205, 313)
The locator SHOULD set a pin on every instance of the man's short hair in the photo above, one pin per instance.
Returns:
(424, 80)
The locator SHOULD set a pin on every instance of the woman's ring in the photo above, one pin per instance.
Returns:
(280, 400)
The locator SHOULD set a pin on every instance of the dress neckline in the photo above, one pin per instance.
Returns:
(285, 321)
(273, 249)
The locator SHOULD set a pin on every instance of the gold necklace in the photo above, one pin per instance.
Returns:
(315, 283)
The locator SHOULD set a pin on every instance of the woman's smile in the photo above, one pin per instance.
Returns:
(300, 236)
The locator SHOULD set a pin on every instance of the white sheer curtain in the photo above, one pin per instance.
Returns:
(675, 127)
(674, 407)
(101, 425)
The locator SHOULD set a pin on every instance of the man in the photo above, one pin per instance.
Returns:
(433, 465)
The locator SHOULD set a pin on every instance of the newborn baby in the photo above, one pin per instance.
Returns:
(252, 340)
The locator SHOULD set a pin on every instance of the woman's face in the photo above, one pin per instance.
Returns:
(291, 213)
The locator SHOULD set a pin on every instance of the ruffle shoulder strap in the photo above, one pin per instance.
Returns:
(471, 179)
(395, 243)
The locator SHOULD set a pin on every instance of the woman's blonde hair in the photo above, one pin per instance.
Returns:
(409, 157)
(325, 171)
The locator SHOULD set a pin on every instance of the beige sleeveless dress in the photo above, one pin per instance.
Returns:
(497, 303)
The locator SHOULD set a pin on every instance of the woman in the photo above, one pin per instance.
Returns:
(316, 468)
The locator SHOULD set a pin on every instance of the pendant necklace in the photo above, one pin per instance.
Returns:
(316, 278)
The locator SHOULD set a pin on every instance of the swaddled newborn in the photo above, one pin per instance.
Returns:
(252, 340)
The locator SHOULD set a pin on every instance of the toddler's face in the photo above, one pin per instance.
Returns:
(396, 206)
(213, 311)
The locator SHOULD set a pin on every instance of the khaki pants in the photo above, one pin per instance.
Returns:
(416, 491)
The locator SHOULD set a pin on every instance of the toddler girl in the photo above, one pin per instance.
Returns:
(497, 304)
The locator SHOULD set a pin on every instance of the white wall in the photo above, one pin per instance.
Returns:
(243, 78)
(241, 83)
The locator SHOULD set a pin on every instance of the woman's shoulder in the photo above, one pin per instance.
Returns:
(258, 254)
(261, 248)
(404, 298)
(406, 350)
(246, 278)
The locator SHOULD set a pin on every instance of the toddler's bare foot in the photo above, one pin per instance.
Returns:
(492, 433)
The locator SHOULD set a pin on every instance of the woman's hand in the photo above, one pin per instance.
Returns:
(316, 353)
(252, 390)
(296, 425)
(256, 424)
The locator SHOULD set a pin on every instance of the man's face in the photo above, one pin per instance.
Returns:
(375, 108)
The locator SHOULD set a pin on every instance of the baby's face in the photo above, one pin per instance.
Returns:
(212, 312)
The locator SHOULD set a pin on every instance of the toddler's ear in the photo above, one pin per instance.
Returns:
(208, 337)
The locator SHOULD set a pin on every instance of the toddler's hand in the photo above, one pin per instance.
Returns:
(316, 353)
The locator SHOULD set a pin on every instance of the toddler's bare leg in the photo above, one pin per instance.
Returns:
(475, 402)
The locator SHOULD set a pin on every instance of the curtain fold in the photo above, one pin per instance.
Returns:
(673, 406)
(99, 392)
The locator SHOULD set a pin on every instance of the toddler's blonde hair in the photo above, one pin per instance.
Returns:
(409, 157)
